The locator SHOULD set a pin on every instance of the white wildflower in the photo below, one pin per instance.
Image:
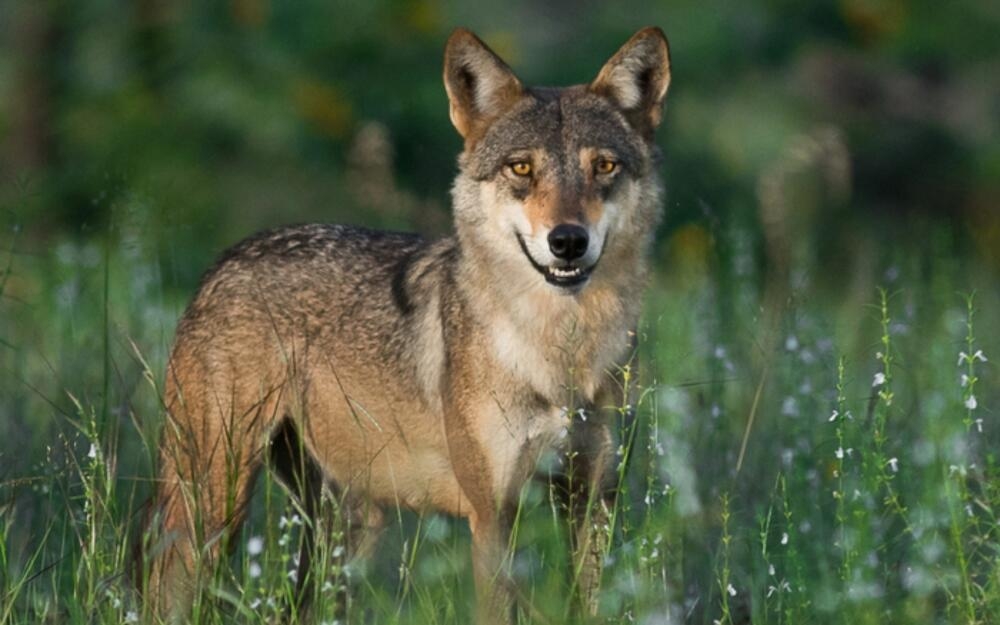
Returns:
(784, 538)
(965, 380)
(839, 453)
(971, 402)
(878, 380)
(284, 521)
(338, 551)
(894, 464)
(792, 343)
(131, 616)
(770, 569)
(255, 545)
(254, 570)
(979, 425)
(731, 590)
(115, 601)
(979, 355)
(92, 453)
(833, 417)
(787, 455)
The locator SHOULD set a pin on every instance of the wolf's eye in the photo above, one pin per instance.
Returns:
(605, 166)
(521, 168)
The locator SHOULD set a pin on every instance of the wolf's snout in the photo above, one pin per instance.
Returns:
(568, 241)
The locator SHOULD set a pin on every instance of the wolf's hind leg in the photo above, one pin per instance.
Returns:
(336, 530)
(209, 458)
(303, 478)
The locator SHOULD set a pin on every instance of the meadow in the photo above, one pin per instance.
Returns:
(799, 454)
(816, 432)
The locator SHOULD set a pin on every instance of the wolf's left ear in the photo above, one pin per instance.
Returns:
(480, 85)
(636, 78)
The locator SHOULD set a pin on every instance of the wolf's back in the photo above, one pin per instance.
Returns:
(310, 296)
(304, 274)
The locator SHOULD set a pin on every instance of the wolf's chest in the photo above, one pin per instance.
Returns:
(519, 439)
(565, 366)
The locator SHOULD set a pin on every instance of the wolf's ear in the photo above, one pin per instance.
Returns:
(480, 85)
(636, 78)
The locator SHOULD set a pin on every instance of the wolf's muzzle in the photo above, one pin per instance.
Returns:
(567, 276)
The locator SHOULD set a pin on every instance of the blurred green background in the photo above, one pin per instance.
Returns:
(813, 151)
(215, 119)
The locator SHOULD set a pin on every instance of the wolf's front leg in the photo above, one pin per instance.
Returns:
(488, 511)
(591, 497)
(495, 603)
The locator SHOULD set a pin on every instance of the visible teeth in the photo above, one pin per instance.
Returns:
(565, 273)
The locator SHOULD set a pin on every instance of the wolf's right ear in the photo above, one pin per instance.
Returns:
(636, 78)
(480, 86)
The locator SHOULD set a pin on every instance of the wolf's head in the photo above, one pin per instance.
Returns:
(557, 183)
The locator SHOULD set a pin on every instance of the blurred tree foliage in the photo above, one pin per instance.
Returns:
(826, 127)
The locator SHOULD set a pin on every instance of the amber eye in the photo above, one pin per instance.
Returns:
(521, 168)
(605, 166)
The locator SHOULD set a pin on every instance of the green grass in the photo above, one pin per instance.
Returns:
(811, 458)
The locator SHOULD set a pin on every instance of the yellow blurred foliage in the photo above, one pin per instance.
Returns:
(874, 19)
(253, 13)
(505, 44)
(323, 106)
(423, 16)
(689, 252)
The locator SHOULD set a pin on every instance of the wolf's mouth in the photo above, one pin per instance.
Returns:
(566, 276)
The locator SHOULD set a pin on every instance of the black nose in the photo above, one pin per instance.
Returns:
(568, 241)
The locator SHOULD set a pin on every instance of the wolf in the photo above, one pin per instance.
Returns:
(433, 375)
